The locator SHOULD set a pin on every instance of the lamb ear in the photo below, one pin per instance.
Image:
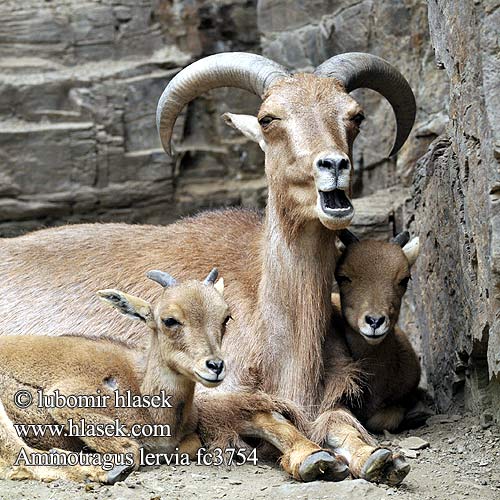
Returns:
(129, 305)
(411, 250)
(219, 286)
(335, 298)
(248, 125)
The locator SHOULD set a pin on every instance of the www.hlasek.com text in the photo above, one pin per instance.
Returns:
(107, 461)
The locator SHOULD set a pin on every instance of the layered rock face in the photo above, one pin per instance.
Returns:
(79, 84)
(455, 208)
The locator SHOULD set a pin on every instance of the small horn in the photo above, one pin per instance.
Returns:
(212, 276)
(164, 279)
(347, 238)
(401, 239)
(231, 69)
(358, 70)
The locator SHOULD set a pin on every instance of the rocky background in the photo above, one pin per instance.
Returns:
(79, 83)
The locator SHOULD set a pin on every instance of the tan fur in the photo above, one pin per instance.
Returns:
(391, 369)
(175, 359)
(242, 415)
(279, 272)
(341, 431)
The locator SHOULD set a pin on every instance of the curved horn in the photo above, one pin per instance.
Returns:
(401, 239)
(357, 70)
(347, 238)
(164, 279)
(230, 69)
(212, 276)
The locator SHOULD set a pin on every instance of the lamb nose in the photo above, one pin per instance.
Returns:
(216, 365)
(375, 322)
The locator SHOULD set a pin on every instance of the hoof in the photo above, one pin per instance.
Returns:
(384, 467)
(118, 473)
(324, 466)
(398, 471)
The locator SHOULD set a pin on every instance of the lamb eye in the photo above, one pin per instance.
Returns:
(358, 119)
(226, 321)
(265, 121)
(170, 322)
(404, 282)
(341, 280)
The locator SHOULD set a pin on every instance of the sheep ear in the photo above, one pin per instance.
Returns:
(130, 306)
(335, 298)
(411, 250)
(248, 125)
(219, 286)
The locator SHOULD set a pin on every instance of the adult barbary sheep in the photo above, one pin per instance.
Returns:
(279, 272)
(186, 326)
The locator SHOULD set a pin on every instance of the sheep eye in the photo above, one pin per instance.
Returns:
(358, 119)
(404, 282)
(226, 321)
(265, 121)
(170, 322)
(342, 280)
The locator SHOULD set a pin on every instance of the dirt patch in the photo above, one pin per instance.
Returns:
(461, 461)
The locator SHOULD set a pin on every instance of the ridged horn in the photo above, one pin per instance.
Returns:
(401, 239)
(162, 278)
(358, 70)
(212, 276)
(230, 69)
(347, 238)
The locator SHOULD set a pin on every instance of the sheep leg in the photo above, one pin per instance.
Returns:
(104, 444)
(301, 458)
(389, 418)
(118, 445)
(342, 432)
(11, 447)
(190, 445)
(224, 417)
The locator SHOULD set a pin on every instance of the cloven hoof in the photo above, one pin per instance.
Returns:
(384, 467)
(119, 473)
(324, 466)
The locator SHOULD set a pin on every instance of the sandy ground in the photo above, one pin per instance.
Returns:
(462, 461)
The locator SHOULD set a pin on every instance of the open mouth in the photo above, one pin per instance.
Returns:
(335, 202)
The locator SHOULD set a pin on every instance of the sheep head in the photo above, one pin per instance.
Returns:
(306, 124)
(372, 277)
(187, 323)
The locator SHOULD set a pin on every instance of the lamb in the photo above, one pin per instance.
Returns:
(372, 277)
(280, 271)
(371, 370)
(186, 327)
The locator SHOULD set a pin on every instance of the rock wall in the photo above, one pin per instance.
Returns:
(455, 209)
(79, 83)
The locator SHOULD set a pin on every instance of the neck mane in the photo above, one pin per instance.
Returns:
(294, 306)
